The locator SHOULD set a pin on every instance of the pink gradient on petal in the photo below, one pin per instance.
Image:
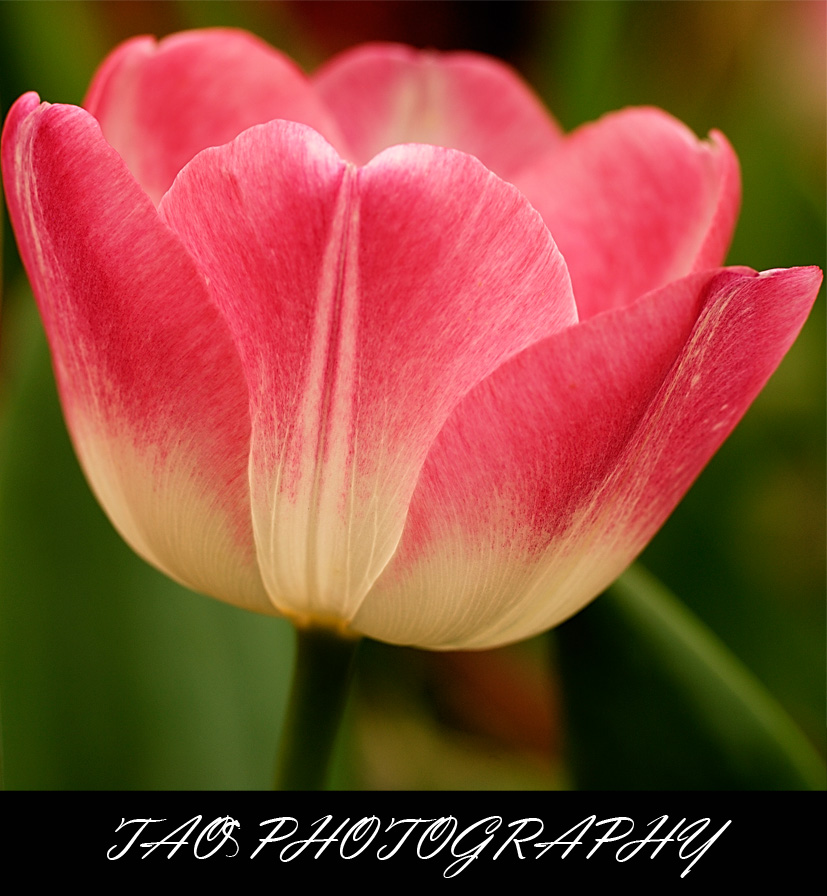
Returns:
(531, 502)
(365, 303)
(160, 103)
(150, 382)
(634, 201)
(386, 94)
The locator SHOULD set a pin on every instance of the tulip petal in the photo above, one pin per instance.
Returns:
(365, 303)
(150, 383)
(635, 201)
(160, 103)
(553, 474)
(387, 94)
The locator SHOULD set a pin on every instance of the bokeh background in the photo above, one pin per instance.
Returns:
(113, 677)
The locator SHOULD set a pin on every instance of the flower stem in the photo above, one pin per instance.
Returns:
(323, 670)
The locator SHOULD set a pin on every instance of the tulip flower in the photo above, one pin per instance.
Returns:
(382, 350)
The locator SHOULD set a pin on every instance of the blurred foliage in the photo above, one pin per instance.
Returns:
(113, 677)
(677, 712)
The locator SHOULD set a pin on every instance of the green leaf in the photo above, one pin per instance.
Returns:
(111, 675)
(655, 701)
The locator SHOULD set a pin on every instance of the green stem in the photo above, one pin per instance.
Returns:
(323, 670)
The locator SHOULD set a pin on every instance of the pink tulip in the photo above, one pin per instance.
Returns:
(315, 366)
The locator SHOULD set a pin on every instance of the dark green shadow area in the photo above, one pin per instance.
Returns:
(655, 701)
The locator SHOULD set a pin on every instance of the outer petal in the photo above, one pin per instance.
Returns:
(365, 304)
(635, 201)
(554, 473)
(151, 385)
(161, 103)
(386, 94)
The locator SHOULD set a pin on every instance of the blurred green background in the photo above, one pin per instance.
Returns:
(113, 677)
